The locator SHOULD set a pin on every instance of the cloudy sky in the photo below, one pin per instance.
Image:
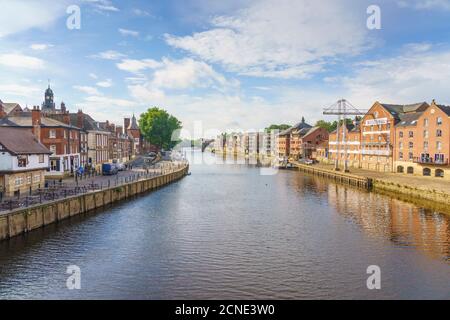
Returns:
(231, 64)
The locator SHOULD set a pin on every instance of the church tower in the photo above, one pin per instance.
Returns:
(134, 131)
(49, 103)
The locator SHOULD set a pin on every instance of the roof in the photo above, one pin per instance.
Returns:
(21, 141)
(8, 107)
(298, 127)
(409, 119)
(445, 109)
(396, 110)
(133, 124)
(25, 120)
(89, 124)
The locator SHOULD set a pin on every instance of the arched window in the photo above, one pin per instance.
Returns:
(410, 170)
(427, 172)
(400, 169)
(439, 173)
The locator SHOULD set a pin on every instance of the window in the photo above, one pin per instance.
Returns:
(52, 134)
(28, 179)
(22, 161)
(400, 145)
(400, 155)
(425, 122)
(410, 156)
(53, 149)
(37, 178)
(41, 158)
(439, 145)
(425, 134)
(411, 134)
(439, 121)
(18, 181)
(425, 145)
(400, 134)
(438, 133)
(65, 134)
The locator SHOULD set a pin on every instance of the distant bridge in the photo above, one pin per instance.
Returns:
(206, 143)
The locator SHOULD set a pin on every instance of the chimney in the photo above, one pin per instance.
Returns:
(36, 122)
(433, 102)
(80, 119)
(126, 123)
(119, 130)
(66, 118)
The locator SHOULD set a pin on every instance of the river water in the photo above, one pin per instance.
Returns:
(230, 231)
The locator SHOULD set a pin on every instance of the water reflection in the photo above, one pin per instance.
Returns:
(402, 223)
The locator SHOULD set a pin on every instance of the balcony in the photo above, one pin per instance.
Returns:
(431, 161)
(386, 153)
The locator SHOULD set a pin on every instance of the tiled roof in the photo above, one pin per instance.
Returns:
(445, 109)
(8, 107)
(25, 120)
(21, 141)
(409, 119)
(89, 124)
(396, 110)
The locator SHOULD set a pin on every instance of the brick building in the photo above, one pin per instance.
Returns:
(61, 138)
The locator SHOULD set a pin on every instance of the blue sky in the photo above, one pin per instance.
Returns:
(230, 64)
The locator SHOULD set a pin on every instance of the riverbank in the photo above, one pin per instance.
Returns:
(423, 191)
(23, 220)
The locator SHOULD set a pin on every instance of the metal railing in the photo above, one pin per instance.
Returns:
(60, 190)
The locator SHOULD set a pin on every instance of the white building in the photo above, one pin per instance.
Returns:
(23, 161)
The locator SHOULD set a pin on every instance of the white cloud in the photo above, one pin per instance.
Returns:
(88, 90)
(186, 73)
(141, 13)
(109, 55)
(425, 4)
(40, 46)
(280, 38)
(105, 84)
(18, 90)
(21, 15)
(127, 32)
(136, 66)
(102, 5)
(415, 76)
(93, 76)
(17, 60)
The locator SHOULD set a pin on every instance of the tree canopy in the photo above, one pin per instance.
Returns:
(160, 128)
(331, 126)
(279, 127)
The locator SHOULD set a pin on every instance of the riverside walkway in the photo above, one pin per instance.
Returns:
(426, 183)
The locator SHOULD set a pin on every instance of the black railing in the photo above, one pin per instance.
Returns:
(431, 161)
(59, 190)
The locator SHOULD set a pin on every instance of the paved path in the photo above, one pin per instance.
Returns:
(428, 183)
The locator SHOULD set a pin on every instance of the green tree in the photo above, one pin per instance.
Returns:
(160, 128)
(279, 127)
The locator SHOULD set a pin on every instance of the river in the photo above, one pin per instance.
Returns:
(230, 232)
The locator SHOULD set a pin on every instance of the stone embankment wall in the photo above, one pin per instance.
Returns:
(21, 221)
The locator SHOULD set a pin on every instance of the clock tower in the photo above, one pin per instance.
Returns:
(49, 103)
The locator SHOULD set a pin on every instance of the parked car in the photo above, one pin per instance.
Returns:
(121, 166)
(109, 169)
